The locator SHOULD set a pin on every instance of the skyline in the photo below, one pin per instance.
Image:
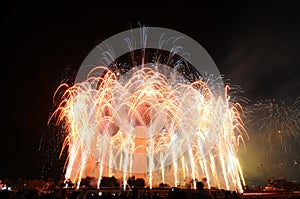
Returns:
(257, 50)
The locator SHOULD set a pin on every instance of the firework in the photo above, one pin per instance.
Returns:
(274, 126)
(159, 120)
(272, 149)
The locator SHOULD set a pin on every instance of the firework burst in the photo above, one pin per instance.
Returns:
(274, 126)
(159, 120)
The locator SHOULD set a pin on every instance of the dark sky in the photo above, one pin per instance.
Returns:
(256, 46)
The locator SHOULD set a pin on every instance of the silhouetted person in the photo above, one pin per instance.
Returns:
(143, 196)
(82, 194)
(156, 196)
(7, 195)
(235, 195)
(199, 185)
(175, 193)
(199, 193)
(123, 195)
(135, 193)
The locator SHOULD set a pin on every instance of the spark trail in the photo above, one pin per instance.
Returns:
(150, 122)
(150, 102)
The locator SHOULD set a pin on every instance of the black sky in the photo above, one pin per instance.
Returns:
(255, 46)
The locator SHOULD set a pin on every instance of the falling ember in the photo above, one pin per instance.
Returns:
(151, 122)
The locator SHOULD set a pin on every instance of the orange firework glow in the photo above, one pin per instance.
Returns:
(150, 123)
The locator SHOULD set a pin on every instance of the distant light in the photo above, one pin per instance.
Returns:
(6, 188)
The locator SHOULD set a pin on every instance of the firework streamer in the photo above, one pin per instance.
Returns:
(151, 113)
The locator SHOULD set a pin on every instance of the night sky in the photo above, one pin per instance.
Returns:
(254, 46)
